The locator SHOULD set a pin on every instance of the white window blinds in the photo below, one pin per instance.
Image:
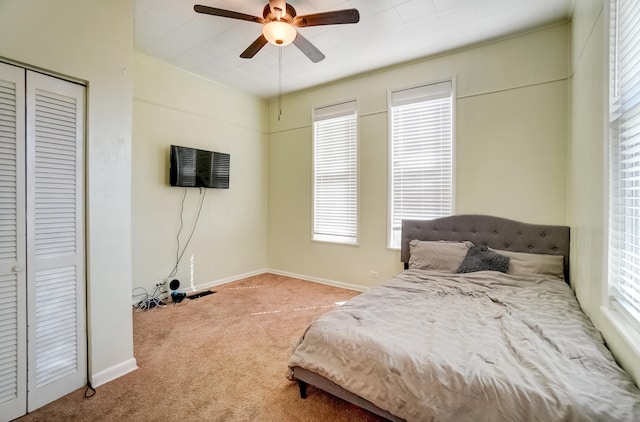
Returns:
(624, 155)
(335, 173)
(421, 155)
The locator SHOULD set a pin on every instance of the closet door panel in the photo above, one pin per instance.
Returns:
(13, 356)
(55, 238)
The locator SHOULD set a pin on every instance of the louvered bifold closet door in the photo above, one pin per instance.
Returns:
(13, 356)
(55, 238)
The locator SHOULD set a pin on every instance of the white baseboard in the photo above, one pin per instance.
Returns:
(334, 283)
(114, 372)
(279, 272)
(210, 284)
(214, 283)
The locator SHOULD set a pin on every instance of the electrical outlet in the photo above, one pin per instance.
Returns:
(161, 283)
(373, 274)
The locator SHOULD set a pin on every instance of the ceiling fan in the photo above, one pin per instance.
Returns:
(280, 22)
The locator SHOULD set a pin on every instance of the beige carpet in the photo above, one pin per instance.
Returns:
(222, 357)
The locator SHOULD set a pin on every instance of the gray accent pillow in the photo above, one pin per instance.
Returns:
(480, 258)
(437, 255)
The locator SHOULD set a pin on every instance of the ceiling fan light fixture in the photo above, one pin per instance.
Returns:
(279, 33)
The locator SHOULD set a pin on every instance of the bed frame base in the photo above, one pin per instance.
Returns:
(306, 377)
(303, 389)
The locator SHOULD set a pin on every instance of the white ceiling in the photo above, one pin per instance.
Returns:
(389, 32)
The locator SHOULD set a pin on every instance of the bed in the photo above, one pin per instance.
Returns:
(490, 343)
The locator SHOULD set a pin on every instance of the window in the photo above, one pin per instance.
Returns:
(421, 155)
(335, 173)
(624, 156)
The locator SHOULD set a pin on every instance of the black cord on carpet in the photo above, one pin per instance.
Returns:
(86, 392)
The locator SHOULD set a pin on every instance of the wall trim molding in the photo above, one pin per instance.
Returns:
(116, 371)
(318, 280)
(304, 277)
(225, 280)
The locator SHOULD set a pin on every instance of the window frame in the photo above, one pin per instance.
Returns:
(390, 145)
(629, 318)
(329, 238)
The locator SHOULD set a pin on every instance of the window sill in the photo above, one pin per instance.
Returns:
(628, 329)
(625, 327)
(333, 241)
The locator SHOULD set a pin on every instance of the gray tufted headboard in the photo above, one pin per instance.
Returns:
(494, 232)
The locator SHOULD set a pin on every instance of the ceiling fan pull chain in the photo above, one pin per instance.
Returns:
(279, 82)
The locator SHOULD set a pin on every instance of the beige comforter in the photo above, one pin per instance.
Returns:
(483, 346)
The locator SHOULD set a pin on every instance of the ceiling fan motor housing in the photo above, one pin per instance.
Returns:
(269, 16)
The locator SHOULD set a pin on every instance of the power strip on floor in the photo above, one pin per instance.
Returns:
(200, 294)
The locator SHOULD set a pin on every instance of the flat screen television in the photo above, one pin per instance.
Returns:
(197, 168)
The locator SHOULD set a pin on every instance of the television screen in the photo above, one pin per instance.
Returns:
(196, 168)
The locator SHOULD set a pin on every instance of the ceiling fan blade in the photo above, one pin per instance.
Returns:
(226, 13)
(254, 47)
(308, 49)
(335, 17)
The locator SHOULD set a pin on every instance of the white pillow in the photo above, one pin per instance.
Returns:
(437, 255)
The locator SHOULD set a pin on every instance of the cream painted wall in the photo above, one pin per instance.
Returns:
(587, 197)
(172, 106)
(511, 130)
(511, 151)
(92, 41)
